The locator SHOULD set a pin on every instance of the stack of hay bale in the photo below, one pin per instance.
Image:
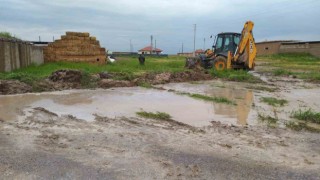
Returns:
(75, 47)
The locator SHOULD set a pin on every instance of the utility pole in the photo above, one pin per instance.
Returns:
(52, 38)
(194, 40)
(39, 39)
(182, 48)
(151, 44)
(131, 48)
(204, 44)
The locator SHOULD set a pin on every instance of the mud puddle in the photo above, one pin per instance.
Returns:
(240, 114)
(117, 102)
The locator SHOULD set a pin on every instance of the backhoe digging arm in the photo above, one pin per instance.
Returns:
(246, 45)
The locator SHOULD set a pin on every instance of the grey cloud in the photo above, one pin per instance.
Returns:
(114, 23)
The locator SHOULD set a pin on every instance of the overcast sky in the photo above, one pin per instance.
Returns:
(116, 22)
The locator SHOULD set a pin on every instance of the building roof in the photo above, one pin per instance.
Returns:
(199, 51)
(148, 48)
(276, 41)
(302, 42)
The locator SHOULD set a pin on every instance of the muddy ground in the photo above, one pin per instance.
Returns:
(74, 79)
(39, 141)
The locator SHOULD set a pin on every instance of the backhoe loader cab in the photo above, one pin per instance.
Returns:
(225, 42)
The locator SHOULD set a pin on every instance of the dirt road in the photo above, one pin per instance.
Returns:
(42, 137)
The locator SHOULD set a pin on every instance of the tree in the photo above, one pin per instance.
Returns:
(7, 35)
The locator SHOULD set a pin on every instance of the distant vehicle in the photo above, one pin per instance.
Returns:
(111, 59)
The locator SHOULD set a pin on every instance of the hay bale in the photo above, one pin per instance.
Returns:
(68, 33)
(78, 34)
(76, 47)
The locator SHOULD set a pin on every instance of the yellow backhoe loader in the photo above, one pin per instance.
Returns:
(230, 51)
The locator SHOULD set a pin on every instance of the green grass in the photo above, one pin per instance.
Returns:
(235, 75)
(87, 81)
(127, 66)
(307, 115)
(151, 115)
(21, 76)
(273, 101)
(270, 120)
(302, 65)
(167, 118)
(145, 85)
(209, 98)
(281, 72)
(261, 88)
(152, 64)
(298, 126)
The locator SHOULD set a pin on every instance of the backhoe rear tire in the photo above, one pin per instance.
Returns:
(220, 63)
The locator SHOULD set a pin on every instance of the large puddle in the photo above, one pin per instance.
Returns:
(118, 102)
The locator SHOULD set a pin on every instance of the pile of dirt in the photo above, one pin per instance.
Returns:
(105, 75)
(168, 77)
(48, 85)
(60, 80)
(72, 76)
(108, 83)
(106, 80)
(191, 76)
(14, 87)
(154, 78)
(74, 79)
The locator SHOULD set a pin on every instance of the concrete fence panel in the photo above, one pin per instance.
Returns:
(17, 54)
(312, 47)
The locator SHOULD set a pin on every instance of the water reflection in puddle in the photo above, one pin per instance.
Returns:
(240, 114)
(118, 102)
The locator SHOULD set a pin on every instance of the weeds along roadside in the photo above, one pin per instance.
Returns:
(296, 65)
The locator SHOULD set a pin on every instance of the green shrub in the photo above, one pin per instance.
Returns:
(273, 101)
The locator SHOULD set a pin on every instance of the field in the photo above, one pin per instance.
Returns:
(303, 66)
(128, 65)
(162, 121)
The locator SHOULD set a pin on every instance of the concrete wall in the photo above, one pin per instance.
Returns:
(276, 47)
(268, 48)
(301, 47)
(17, 54)
(37, 55)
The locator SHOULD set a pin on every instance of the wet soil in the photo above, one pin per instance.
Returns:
(95, 134)
(44, 145)
(74, 79)
(14, 87)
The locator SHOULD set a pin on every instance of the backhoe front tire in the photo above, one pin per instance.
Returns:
(220, 63)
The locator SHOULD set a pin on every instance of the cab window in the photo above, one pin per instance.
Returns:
(236, 40)
(219, 42)
(227, 46)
